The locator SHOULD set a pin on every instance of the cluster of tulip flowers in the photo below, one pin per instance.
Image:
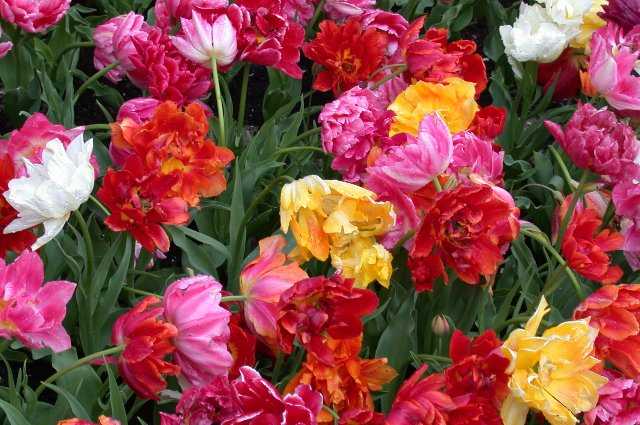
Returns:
(422, 174)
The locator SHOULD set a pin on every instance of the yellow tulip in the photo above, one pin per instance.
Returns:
(551, 373)
(454, 100)
(590, 24)
(330, 217)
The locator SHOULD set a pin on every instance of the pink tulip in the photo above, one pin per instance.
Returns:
(113, 43)
(353, 126)
(472, 154)
(192, 305)
(300, 11)
(29, 141)
(412, 165)
(34, 15)
(343, 9)
(168, 12)
(138, 110)
(611, 66)
(618, 404)
(30, 311)
(393, 24)
(162, 70)
(594, 139)
(201, 41)
(263, 280)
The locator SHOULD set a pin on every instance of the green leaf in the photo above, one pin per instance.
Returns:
(118, 410)
(13, 415)
(76, 407)
(207, 240)
(396, 342)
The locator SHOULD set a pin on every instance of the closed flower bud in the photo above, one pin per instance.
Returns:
(440, 325)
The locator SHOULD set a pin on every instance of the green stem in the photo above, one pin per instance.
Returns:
(100, 205)
(314, 19)
(216, 85)
(94, 127)
(437, 184)
(563, 167)
(84, 229)
(562, 263)
(608, 215)
(79, 363)
(308, 133)
(95, 77)
(277, 368)
(391, 76)
(232, 298)
(243, 94)
(68, 47)
(333, 413)
(577, 195)
(298, 149)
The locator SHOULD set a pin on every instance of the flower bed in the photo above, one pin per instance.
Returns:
(312, 212)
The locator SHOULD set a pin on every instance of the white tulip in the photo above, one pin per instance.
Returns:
(53, 189)
(534, 36)
(569, 14)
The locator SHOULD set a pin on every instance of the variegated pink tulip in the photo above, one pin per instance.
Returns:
(614, 55)
(192, 305)
(263, 280)
(30, 311)
(202, 42)
(34, 15)
(410, 166)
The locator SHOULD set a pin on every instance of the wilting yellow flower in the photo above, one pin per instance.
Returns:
(330, 217)
(590, 24)
(453, 100)
(551, 373)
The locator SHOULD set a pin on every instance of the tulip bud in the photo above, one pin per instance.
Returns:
(440, 325)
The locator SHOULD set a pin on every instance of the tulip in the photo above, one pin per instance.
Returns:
(625, 13)
(207, 43)
(412, 165)
(192, 305)
(30, 311)
(52, 190)
(34, 15)
(611, 67)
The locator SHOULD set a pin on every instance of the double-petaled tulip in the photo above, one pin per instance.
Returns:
(595, 140)
(613, 59)
(169, 12)
(248, 399)
(341, 219)
(534, 36)
(625, 13)
(51, 191)
(475, 155)
(18, 241)
(586, 245)
(551, 373)
(206, 42)
(318, 308)
(347, 53)
(421, 401)
(192, 305)
(354, 131)
(413, 164)
(113, 43)
(34, 15)
(30, 311)
(615, 311)
(619, 402)
(453, 100)
(466, 228)
(263, 281)
(147, 340)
